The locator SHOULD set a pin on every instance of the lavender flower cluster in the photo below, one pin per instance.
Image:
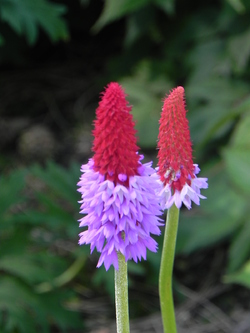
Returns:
(119, 218)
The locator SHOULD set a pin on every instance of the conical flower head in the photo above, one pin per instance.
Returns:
(175, 151)
(176, 169)
(118, 191)
(114, 136)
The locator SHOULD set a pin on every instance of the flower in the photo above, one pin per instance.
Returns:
(117, 190)
(175, 167)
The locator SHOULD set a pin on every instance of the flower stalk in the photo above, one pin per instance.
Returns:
(180, 185)
(166, 270)
(121, 296)
(118, 196)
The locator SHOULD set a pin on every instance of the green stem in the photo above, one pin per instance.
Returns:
(166, 270)
(121, 296)
(64, 278)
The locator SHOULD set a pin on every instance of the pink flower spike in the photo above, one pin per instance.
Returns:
(118, 192)
(176, 169)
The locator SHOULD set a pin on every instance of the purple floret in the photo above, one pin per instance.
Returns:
(119, 218)
(188, 193)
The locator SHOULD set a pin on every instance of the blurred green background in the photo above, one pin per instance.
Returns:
(55, 58)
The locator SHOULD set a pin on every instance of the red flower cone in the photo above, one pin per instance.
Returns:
(176, 169)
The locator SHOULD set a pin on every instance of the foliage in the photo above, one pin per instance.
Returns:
(205, 48)
(145, 94)
(241, 277)
(27, 16)
(35, 256)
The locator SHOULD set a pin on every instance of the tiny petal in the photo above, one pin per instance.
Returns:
(122, 177)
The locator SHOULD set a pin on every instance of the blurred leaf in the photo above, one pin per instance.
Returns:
(237, 5)
(64, 278)
(201, 232)
(135, 268)
(10, 190)
(56, 222)
(33, 268)
(206, 52)
(134, 30)
(222, 199)
(59, 315)
(238, 166)
(105, 279)
(213, 114)
(29, 255)
(219, 90)
(146, 97)
(241, 277)
(19, 239)
(56, 211)
(166, 5)
(23, 266)
(240, 42)
(21, 307)
(219, 216)
(241, 135)
(136, 27)
(61, 181)
(26, 311)
(27, 15)
(114, 10)
(240, 248)
(153, 262)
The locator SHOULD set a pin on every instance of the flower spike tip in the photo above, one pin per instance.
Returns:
(175, 167)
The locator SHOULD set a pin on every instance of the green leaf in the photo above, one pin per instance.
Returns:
(202, 231)
(26, 16)
(241, 277)
(145, 94)
(10, 190)
(21, 307)
(241, 136)
(18, 236)
(136, 269)
(219, 216)
(114, 10)
(238, 166)
(56, 305)
(166, 5)
(32, 268)
(222, 199)
(240, 248)
(240, 42)
(105, 279)
(237, 5)
(58, 222)
(61, 181)
(215, 115)
(28, 312)
(206, 52)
